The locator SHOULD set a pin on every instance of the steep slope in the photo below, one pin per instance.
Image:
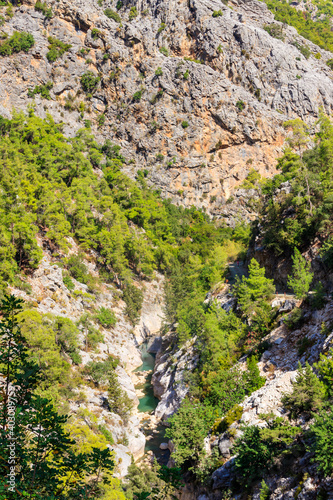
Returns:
(196, 98)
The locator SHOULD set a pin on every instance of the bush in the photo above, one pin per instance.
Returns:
(188, 429)
(18, 42)
(330, 63)
(240, 105)
(164, 51)
(42, 7)
(133, 13)
(159, 72)
(78, 269)
(304, 50)
(89, 82)
(68, 282)
(137, 96)
(257, 447)
(99, 371)
(133, 297)
(275, 30)
(106, 317)
(111, 14)
(43, 90)
(185, 124)
(119, 401)
(217, 13)
(295, 319)
(56, 48)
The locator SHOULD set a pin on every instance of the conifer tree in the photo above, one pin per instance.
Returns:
(302, 276)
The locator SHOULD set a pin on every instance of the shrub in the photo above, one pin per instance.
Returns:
(159, 157)
(188, 429)
(159, 72)
(99, 371)
(304, 49)
(301, 275)
(295, 319)
(77, 268)
(257, 447)
(133, 297)
(106, 317)
(275, 30)
(56, 48)
(240, 105)
(217, 13)
(118, 400)
(307, 394)
(42, 7)
(111, 14)
(133, 13)
(137, 96)
(186, 75)
(164, 51)
(18, 42)
(185, 124)
(89, 82)
(161, 28)
(95, 33)
(68, 282)
(264, 491)
(43, 90)
(330, 63)
(318, 55)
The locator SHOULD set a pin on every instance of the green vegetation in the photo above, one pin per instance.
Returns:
(56, 48)
(42, 7)
(275, 30)
(156, 482)
(240, 105)
(159, 71)
(39, 431)
(89, 82)
(111, 14)
(133, 13)
(257, 448)
(185, 124)
(317, 31)
(43, 90)
(294, 219)
(302, 276)
(307, 395)
(164, 51)
(18, 42)
(217, 13)
(106, 317)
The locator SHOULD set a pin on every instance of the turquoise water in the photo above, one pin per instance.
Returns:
(148, 404)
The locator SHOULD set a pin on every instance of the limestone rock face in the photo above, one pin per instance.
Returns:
(169, 376)
(196, 100)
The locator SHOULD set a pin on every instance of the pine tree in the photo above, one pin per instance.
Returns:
(301, 278)
(307, 394)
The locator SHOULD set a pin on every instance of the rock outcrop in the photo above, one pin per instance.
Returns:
(195, 100)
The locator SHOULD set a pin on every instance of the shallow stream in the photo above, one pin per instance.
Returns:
(148, 403)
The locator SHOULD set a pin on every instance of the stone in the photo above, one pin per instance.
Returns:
(164, 446)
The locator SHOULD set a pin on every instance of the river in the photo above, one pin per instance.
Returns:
(147, 404)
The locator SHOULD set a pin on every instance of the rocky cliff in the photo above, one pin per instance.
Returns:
(194, 92)
(48, 294)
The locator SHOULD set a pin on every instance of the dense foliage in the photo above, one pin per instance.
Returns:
(317, 31)
(38, 456)
(299, 201)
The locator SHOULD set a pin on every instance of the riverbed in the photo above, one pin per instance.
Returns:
(147, 404)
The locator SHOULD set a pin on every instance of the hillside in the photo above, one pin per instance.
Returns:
(166, 189)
